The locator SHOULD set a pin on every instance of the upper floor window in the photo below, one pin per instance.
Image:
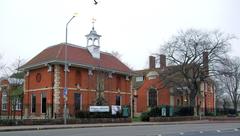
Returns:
(139, 79)
(118, 79)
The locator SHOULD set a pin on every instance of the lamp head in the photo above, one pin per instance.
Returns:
(75, 14)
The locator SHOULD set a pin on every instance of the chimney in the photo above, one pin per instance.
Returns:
(152, 62)
(162, 61)
(205, 63)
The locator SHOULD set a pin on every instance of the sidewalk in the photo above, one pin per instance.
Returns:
(45, 127)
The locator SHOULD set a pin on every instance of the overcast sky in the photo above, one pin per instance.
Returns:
(134, 28)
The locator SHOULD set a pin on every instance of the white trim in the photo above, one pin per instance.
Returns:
(31, 102)
(147, 98)
(41, 102)
(81, 97)
(81, 89)
(40, 89)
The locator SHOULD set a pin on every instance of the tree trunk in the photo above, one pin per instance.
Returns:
(192, 104)
(235, 107)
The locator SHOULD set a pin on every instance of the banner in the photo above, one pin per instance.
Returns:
(99, 109)
(116, 109)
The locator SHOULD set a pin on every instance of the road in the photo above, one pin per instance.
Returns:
(211, 129)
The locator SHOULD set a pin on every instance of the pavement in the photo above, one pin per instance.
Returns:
(69, 126)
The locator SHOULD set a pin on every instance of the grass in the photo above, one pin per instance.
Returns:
(136, 119)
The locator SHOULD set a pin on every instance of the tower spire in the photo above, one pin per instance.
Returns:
(93, 22)
(93, 41)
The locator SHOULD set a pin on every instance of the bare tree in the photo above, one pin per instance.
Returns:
(193, 53)
(229, 75)
(116, 54)
(15, 78)
(1, 65)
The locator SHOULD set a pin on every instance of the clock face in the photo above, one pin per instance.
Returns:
(38, 77)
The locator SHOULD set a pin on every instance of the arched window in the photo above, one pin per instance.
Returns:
(95, 41)
(4, 100)
(152, 97)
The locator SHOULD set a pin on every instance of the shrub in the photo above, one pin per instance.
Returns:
(87, 114)
(145, 116)
(184, 111)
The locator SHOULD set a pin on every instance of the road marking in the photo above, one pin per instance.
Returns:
(235, 129)
(218, 131)
(159, 135)
(181, 133)
(201, 132)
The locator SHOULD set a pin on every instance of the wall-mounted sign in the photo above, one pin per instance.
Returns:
(116, 109)
(99, 109)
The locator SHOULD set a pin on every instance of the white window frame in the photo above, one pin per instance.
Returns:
(139, 79)
(4, 103)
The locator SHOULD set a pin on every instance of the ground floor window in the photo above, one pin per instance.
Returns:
(44, 103)
(152, 97)
(118, 100)
(18, 104)
(33, 103)
(77, 102)
(4, 100)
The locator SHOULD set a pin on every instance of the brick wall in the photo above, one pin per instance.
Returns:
(79, 81)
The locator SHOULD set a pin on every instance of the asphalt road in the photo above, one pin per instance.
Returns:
(216, 129)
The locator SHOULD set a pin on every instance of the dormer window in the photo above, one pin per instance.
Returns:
(139, 79)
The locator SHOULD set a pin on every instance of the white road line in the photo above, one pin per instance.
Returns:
(235, 129)
(201, 132)
(159, 135)
(218, 131)
(181, 133)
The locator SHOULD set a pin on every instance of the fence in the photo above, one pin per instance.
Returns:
(169, 111)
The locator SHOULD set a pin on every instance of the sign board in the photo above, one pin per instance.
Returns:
(99, 109)
(65, 92)
(164, 111)
(115, 109)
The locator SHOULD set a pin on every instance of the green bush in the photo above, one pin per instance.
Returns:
(10, 122)
(145, 116)
(209, 114)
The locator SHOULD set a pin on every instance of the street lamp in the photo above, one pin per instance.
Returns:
(65, 71)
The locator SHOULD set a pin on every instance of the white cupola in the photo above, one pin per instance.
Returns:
(93, 42)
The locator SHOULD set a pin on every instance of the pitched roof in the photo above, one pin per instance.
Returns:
(76, 55)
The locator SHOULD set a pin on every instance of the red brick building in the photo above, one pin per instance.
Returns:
(10, 106)
(150, 91)
(88, 71)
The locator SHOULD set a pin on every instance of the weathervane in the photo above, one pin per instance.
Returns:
(93, 21)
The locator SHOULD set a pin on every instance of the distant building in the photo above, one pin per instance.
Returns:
(10, 106)
(93, 78)
(152, 91)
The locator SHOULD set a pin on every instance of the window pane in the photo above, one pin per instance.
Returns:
(4, 100)
(44, 103)
(33, 103)
(77, 102)
(118, 100)
(152, 98)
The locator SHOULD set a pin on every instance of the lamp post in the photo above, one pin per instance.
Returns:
(65, 71)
